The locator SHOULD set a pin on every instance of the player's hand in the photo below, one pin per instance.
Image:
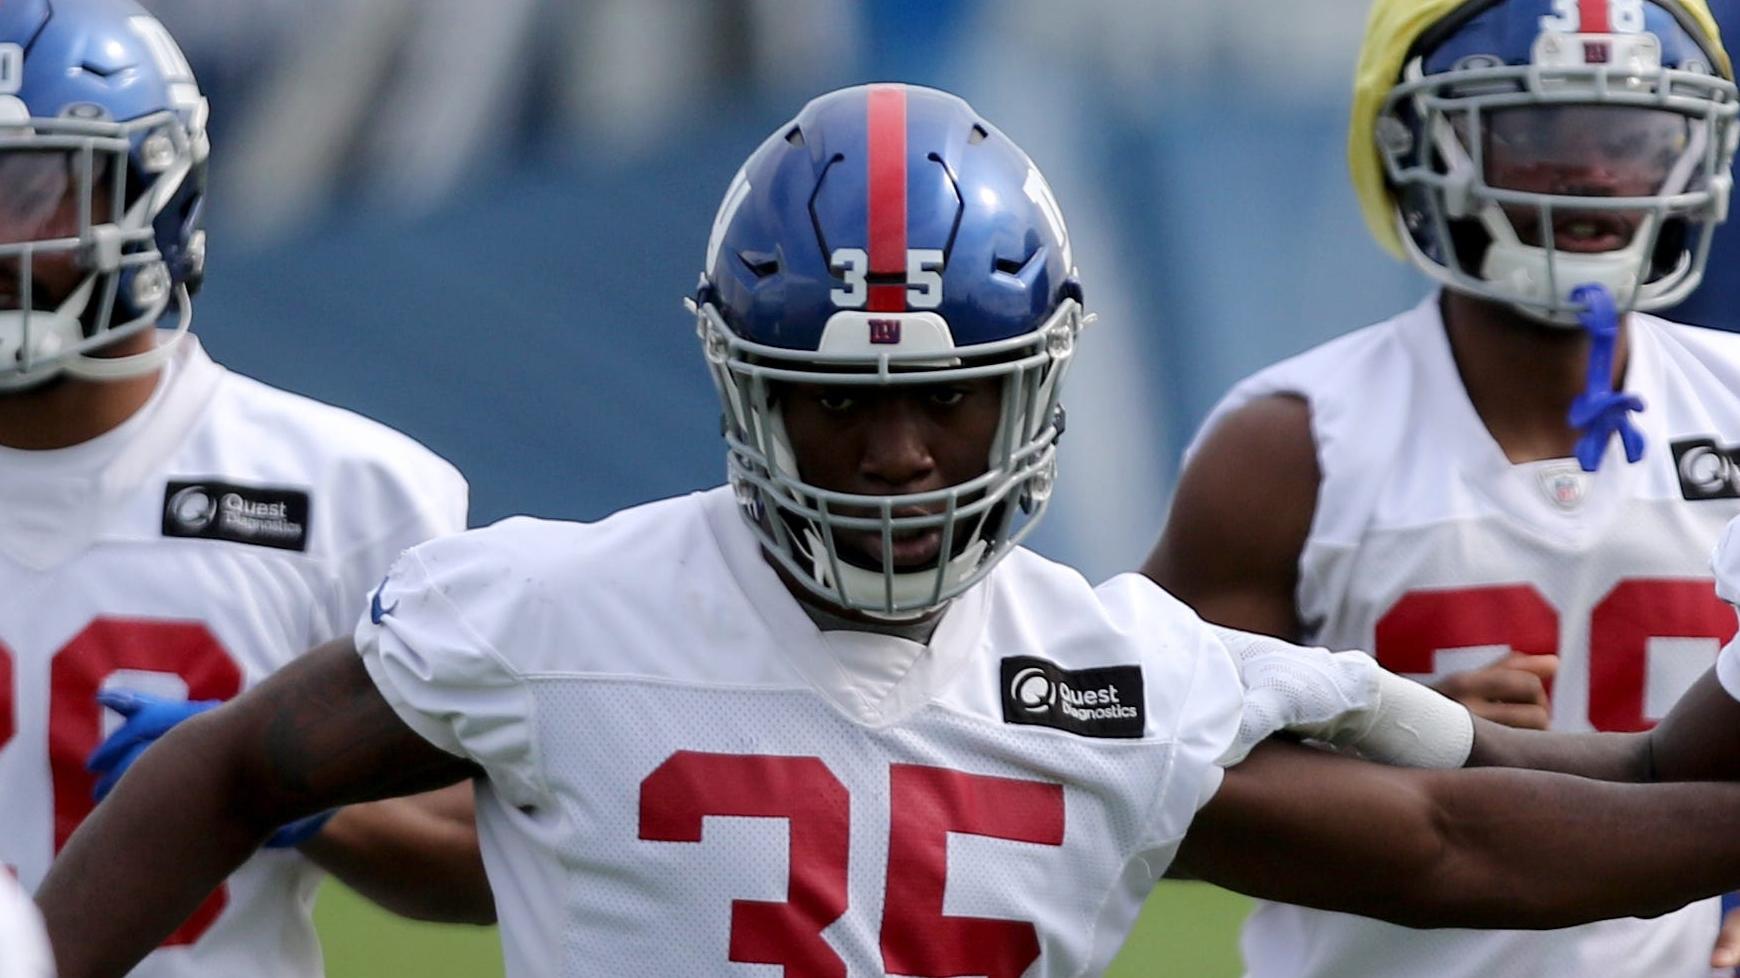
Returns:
(148, 718)
(1512, 692)
(1726, 955)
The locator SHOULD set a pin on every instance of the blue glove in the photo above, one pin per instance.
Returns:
(150, 717)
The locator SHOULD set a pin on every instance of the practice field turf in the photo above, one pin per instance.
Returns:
(1187, 931)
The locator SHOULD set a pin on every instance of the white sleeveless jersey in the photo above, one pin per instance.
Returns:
(23, 945)
(686, 777)
(1432, 550)
(218, 533)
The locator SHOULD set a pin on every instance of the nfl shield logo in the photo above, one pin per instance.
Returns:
(1565, 485)
(885, 332)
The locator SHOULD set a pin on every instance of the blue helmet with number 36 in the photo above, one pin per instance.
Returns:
(102, 182)
(1530, 147)
(888, 235)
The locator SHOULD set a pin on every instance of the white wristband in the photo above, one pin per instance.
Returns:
(1416, 726)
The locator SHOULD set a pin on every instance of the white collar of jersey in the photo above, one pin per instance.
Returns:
(53, 512)
(1514, 488)
(873, 678)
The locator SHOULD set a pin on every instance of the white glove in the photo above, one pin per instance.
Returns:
(1344, 699)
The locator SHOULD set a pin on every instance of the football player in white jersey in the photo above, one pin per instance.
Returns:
(1460, 489)
(831, 716)
(170, 528)
(23, 945)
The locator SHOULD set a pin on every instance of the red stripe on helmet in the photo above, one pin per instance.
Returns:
(887, 211)
(1594, 19)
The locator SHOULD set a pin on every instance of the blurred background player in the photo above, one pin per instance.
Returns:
(1418, 487)
(168, 526)
(866, 664)
(23, 945)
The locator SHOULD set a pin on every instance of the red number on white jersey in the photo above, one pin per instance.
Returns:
(78, 671)
(1619, 632)
(927, 803)
(918, 939)
(691, 785)
(1515, 616)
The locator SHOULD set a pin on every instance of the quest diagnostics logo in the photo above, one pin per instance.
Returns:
(193, 508)
(1102, 702)
(260, 515)
(1706, 470)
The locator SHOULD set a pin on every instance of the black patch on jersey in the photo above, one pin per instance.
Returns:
(1706, 470)
(1103, 702)
(260, 515)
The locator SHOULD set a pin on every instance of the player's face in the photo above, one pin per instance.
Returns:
(39, 200)
(1584, 151)
(890, 441)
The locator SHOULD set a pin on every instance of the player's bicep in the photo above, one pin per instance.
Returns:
(320, 734)
(1240, 518)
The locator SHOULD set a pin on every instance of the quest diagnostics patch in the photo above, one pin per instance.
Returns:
(260, 515)
(1102, 702)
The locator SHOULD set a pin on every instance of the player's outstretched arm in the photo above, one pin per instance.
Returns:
(1488, 848)
(415, 856)
(1699, 740)
(315, 735)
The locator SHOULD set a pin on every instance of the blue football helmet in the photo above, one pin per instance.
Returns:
(889, 236)
(102, 177)
(1536, 146)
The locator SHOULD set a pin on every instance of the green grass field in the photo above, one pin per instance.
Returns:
(1187, 931)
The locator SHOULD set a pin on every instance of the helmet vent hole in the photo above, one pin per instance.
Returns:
(978, 135)
(795, 136)
(760, 264)
(1013, 266)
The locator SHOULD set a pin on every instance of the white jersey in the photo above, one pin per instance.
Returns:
(686, 776)
(23, 945)
(219, 532)
(1432, 550)
(1725, 563)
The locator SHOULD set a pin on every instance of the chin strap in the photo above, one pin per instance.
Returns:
(1600, 410)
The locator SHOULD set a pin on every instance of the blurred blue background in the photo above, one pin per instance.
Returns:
(474, 221)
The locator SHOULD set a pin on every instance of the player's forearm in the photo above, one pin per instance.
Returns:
(1604, 757)
(1531, 850)
(1699, 739)
(417, 856)
(1486, 848)
(177, 825)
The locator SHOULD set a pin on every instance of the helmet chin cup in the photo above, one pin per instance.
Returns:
(120, 368)
(868, 591)
(34, 343)
(1540, 283)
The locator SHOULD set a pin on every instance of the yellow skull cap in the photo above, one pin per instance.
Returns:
(1390, 32)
